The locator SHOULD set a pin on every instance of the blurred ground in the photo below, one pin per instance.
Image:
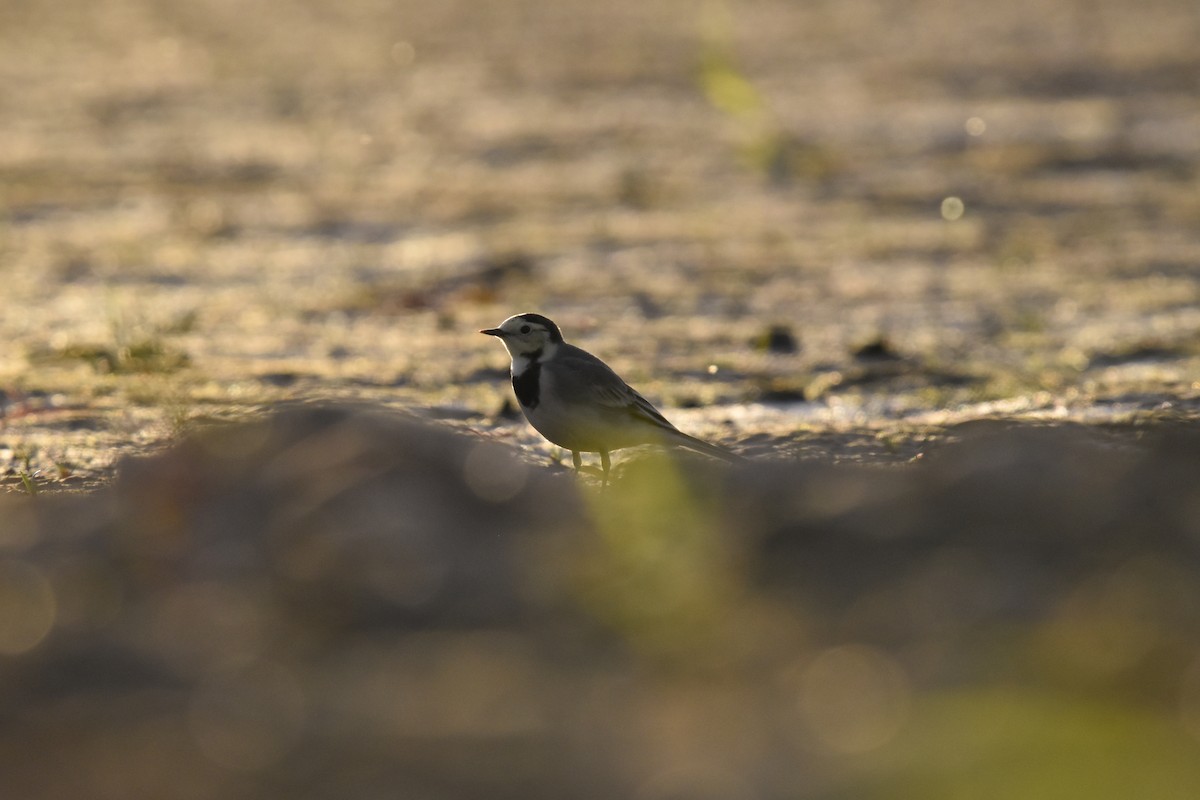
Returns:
(354, 605)
(947, 210)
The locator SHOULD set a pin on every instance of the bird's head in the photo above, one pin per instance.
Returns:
(526, 334)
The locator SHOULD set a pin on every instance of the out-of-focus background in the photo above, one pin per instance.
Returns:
(801, 216)
(934, 265)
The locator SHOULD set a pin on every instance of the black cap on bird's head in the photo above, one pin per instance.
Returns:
(526, 333)
(545, 322)
(526, 324)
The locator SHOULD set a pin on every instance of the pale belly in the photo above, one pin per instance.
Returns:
(576, 427)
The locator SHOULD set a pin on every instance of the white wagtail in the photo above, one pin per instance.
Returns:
(576, 400)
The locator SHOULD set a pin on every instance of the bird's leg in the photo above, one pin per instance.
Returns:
(576, 459)
(605, 464)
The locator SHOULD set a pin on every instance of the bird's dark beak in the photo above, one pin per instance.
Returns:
(493, 332)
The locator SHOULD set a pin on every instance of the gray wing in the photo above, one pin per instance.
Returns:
(595, 384)
(598, 384)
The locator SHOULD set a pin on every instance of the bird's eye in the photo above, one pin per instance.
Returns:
(524, 329)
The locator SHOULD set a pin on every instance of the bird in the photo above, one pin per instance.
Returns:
(578, 402)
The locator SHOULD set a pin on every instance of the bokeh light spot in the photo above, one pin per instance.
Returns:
(953, 208)
(27, 607)
(855, 698)
(975, 126)
(493, 474)
(403, 53)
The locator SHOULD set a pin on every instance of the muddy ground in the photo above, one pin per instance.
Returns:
(838, 224)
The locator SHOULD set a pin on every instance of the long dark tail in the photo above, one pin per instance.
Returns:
(701, 446)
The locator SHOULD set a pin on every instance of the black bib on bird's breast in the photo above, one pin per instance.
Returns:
(527, 384)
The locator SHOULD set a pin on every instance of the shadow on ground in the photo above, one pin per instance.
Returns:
(346, 603)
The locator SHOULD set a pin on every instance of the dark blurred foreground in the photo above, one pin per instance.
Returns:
(339, 604)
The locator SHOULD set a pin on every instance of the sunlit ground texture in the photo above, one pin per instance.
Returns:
(933, 265)
(942, 210)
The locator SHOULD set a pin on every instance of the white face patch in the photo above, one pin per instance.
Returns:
(523, 337)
